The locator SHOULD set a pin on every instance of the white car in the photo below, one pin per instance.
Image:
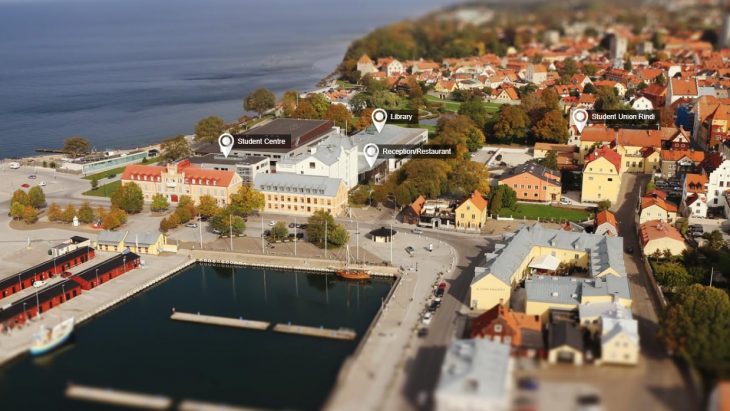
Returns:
(426, 320)
(272, 223)
(14, 165)
(42, 184)
(38, 284)
(417, 231)
(564, 200)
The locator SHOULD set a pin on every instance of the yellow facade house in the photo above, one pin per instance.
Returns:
(152, 242)
(656, 236)
(533, 254)
(296, 194)
(472, 212)
(601, 176)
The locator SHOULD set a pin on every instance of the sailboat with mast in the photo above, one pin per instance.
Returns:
(351, 273)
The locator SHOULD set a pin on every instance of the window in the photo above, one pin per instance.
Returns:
(498, 328)
(610, 179)
(311, 165)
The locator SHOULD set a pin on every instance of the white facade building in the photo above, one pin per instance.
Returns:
(334, 157)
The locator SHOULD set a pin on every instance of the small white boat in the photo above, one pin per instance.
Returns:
(39, 283)
(47, 340)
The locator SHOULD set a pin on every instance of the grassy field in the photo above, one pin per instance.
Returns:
(105, 190)
(545, 213)
(115, 171)
(452, 105)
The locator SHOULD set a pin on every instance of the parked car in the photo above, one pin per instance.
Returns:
(439, 292)
(25, 185)
(291, 225)
(14, 165)
(498, 158)
(191, 225)
(564, 200)
(32, 176)
(42, 184)
(528, 383)
(410, 250)
(422, 332)
(433, 306)
(216, 231)
(300, 235)
(272, 223)
(588, 402)
(629, 250)
(417, 231)
(426, 320)
(110, 176)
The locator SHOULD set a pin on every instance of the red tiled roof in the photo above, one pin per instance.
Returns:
(607, 153)
(656, 229)
(676, 155)
(684, 87)
(695, 183)
(649, 201)
(514, 320)
(193, 175)
(606, 216)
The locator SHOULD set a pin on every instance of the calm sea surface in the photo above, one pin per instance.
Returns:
(137, 347)
(129, 72)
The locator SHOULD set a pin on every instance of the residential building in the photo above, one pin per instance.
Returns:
(522, 331)
(302, 194)
(681, 88)
(182, 179)
(246, 167)
(511, 263)
(390, 134)
(565, 153)
(605, 224)
(717, 169)
(618, 47)
(658, 236)
(601, 176)
(654, 206)
(590, 314)
(676, 163)
(642, 103)
(619, 339)
(534, 182)
(334, 157)
(694, 197)
(656, 93)
(565, 344)
(394, 68)
(438, 214)
(411, 214)
(476, 375)
(152, 243)
(471, 214)
(365, 65)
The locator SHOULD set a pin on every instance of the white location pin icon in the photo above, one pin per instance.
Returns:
(379, 117)
(225, 141)
(580, 119)
(371, 151)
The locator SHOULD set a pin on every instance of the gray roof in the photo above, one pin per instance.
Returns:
(536, 170)
(213, 158)
(607, 285)
(298, 184)
(611, 310)
(603, 251)
(552, 289)
(111, 237)
(478, 368)
(328, 151)
(390, 134)
(147, 238)
(613, 327)
(565, 333)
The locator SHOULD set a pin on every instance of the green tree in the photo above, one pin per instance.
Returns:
(550, 160)
(86, 213)
(159, 203)
(650, 186)
(552, 127)
(175, 148)
(209, 129)
(607, 99)
(319, 103)
(696, 326)
(279, 231)
(16, 210)
(476, 111)
(36, 197)
(94, 182)
(228, 223)
(550, 99)
(672, 275)
(604, 205)
(208, 206)
(714, 240)
(467, 176)
(336, 234)
(260, 101)
(114, 219)
(340, 115)
(512, 123)
(30, 215)
(246, 201)
(76, 145)
(20, 197)
(495, 202)
(128, 197)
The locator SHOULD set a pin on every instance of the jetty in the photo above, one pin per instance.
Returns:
(191, 405)
(222, 321)
(337, 334)
(116, 397)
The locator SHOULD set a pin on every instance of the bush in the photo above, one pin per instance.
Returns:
(159, 203)
(30, 215)
(279, 231)
(86, 214)
(68, 214)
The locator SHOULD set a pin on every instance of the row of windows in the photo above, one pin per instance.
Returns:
(529, 186)
(309, 200)
(295, 207)
(293, 189)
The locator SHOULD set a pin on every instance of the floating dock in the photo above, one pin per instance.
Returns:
(116, 397)
(190, 405)
(339, 334)
(222, 321)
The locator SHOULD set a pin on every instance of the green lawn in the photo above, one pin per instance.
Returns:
(453, 105)
(346, 85)
(105, 174)
(105, 190)
(545, 213)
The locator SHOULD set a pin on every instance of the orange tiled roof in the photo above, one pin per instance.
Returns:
(514, 320)
(478, 200)
(607, 153)
(193, 175)
(656, 229)
(695, 183)
(684, 87)
(417, 204)
(649, 201)
(676, 155)
(606, 216)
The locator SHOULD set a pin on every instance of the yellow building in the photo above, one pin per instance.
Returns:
(532, 254)
(296, 194)
(658, 236)
(601, 176)
(619, 341)
(655, 207)
(639, 150)
(140, 243)
(178, 179)
(472, 212)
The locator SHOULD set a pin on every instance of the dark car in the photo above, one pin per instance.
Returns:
(422, 332)
(300, 235)
(528, 383)
(291, 225)
(433, 306)
(630, 250)
(499, 157)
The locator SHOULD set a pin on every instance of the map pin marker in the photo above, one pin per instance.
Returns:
(580, 119)
(225, 141)
(371, 151)
(379, 117)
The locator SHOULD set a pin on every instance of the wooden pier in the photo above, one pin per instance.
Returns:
(116, 397)
(339, 334)
(222, 321)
